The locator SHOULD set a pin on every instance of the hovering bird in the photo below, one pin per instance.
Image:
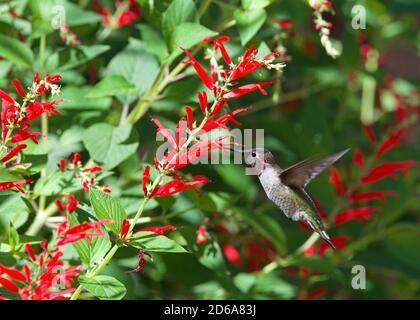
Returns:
(286, 187)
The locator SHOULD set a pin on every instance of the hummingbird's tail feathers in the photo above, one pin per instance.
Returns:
(318, 228)
(300, 174)
(327, 239)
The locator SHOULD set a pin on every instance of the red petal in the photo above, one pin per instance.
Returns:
(13, 152)
(247, 89)
(202, 98)
(354, 214)
(190, 120)
(374, 195)
(358, 158)
(18, 87)
(369, 133)
(335, 179)
(392, 141)
(146, 177)
(162, 130)
(6, 97)
(12, 273)
(30, 252)
(9, 285)
(232, 254)
(199, 69)
(387, 169)
(158, 230)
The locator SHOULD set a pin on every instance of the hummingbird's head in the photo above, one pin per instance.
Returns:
(258, 158)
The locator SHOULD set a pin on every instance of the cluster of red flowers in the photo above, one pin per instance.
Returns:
(43, 278)
(86, 175)
(126, 12)
(16, 121)
(221, 82)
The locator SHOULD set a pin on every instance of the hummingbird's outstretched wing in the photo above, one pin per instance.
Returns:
(300, 174)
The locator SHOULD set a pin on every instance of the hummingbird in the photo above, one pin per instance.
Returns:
(286, 187)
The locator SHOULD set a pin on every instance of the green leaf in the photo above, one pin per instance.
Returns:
(210, 255)
(72, 57)
(153, 41)
(136, 65)
(113, 85)
(106, 207)
(187, 35)
(405, 247)
(13, 209)
(42, 17)
(104, 287)
(249, 22)
(56, 183)
(72, 97)
(15, 51)
(153, 242)
(90, 251)
(178, 12)
(76, 15)
(269, 284)
(110, 145)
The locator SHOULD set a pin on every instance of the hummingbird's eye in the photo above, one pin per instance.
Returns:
(253, 154)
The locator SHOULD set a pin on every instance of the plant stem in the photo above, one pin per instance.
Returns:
(39, 219)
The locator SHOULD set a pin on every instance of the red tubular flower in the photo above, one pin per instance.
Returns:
(130, 15)
(13, 153)
(364, 213)
(202, 98)
(178, 185)
(158, 230)
(53, 78)
(18, 87)
(335, 179)
(387, 169)
(190, 120)
(12, 273)
(93, 169)
(240, 91)
(218, 43)
(374, 195)
(124, 229)
(199, 70)
(232, 254)
(142, 260)
(30, 251)
(369, 133)
(14, 184)
(146, 177)
(285, 24)
(358, 158)
(22, 135)
(180, 132)
(165, 132)
(221, 121)
(392, 141)
(76, 233)
(202, 235)
(62, 164)
(37, 108)
(9, 285)
(6, 97)
(60, 206)
(219, 106)
(72, 204)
